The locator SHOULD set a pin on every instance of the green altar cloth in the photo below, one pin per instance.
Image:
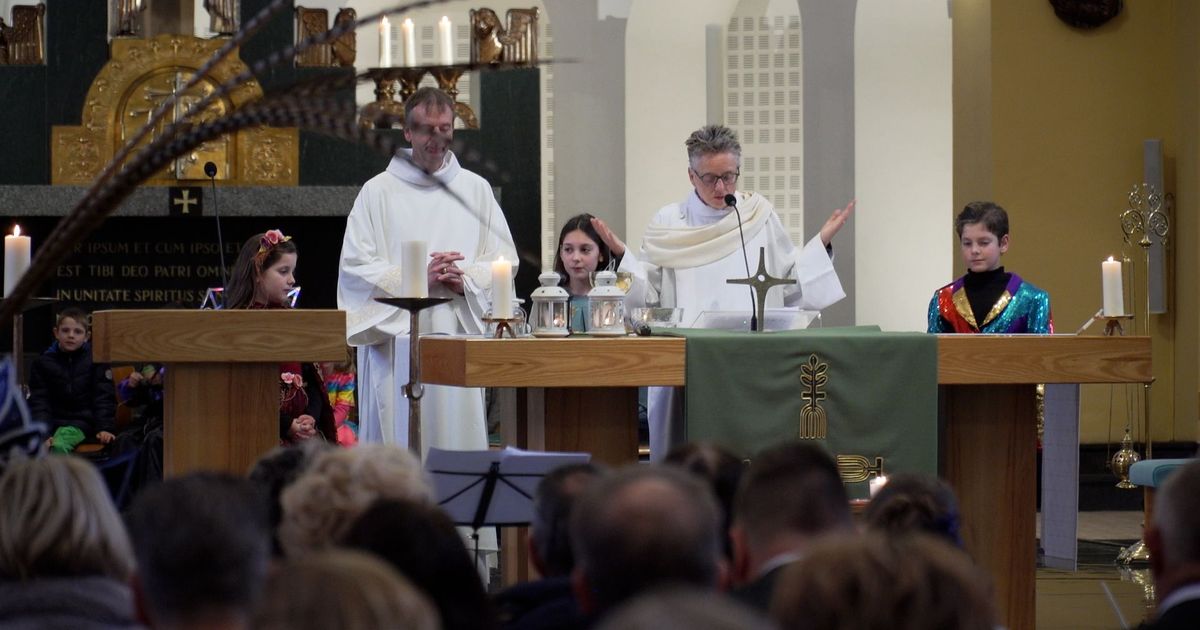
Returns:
(875, 394)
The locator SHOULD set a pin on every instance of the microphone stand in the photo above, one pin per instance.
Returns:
(210, 169)
(731, 202)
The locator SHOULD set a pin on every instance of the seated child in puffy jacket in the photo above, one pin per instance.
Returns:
(72, 395)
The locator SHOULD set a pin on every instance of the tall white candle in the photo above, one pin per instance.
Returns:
(385, 43)
(502, 288)
(414, 269)
(408, 42)
(1114, 290)
(16, 258)
(445, 42)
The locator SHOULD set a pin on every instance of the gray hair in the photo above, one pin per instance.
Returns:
(427, 98)
(710, 140)
(1177, 515)
(58, 520)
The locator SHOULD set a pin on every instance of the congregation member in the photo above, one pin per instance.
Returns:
(685, 609)
(912, 502)
(65, 558)
(988, 299)
(68, 392)
(202, 543)
(548, 603)
(718, 467)
(791, 495)
(426, 196)
(877, 582)
(692, 247)
(275, 471)
(642, 529)
(1173, 536)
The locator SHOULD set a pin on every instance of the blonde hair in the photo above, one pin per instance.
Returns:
(339, 485)
(873, 581)
(58, 521)
(345, 589)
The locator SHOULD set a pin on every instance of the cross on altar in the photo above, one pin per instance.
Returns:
(761, 282)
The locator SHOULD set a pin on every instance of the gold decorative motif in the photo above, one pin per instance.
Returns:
(23, 43)
(140, 75)
(813, 376)
(222, 16)
(345, 48)
(857, 468)
(963, 306)
(312, 23)
(493, 42)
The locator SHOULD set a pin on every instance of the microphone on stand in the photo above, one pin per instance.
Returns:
(731, 201)
(210, 169)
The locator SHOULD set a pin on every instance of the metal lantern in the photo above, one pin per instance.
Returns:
(606, 307)
(548, 315)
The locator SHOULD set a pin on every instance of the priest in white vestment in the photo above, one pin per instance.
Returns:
(412, 201)
(691, 248)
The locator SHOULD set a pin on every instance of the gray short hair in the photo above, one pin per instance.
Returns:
(426, 98)
(1177, 515)
(710, 140)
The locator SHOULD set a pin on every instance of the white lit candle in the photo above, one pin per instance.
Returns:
(877, 484)
(445, 42)
(385, 43)
(16, 259)
(414, 269)
(1114, 290)
(502, 288)
(408, 43)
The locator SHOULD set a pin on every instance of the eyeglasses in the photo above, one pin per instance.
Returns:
(710, 180)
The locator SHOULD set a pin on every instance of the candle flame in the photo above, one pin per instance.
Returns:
(408, 23)
(17, 230)
(384, 22)
(1110, 259)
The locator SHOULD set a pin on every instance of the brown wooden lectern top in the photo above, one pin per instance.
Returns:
(988, 453)
(221, 403)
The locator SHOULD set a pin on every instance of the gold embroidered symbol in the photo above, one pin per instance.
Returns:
(813, 376)
(856, 468)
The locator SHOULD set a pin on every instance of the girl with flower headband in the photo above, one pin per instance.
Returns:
(261, 279)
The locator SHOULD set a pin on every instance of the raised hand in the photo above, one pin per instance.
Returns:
(615, 244)
(835, 222)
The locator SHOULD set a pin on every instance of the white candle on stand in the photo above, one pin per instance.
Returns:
(16, 259)
(408, 42)
(502, 288)
(877, 483)
(385, 43)
(445, 42)
(1114, 290)
(414, 269)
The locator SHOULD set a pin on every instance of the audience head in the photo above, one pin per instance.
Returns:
(789, 495)
(72, 328)
(643, 528)
(684, 609)
(58, 520)
(277, 470)
(911, 502)
(1173, 536)
(264, 271)
(340, 484)
(418, 540)
(344, 589)
(549, 533)
(20, 436)
(872, 581)
(716, 466)
(202, 543)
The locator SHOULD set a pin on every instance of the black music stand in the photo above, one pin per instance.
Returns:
(491, 488)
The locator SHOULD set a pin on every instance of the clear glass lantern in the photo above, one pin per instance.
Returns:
(548, 315)
(606, 307)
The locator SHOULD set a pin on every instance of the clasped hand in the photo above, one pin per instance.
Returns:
(443, 270)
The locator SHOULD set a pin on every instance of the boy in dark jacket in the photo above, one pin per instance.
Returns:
(73, 396)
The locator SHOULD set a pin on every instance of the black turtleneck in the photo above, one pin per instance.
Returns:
(983, 289)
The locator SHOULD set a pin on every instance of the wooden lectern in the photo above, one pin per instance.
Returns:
(221, 395)
(987, 407)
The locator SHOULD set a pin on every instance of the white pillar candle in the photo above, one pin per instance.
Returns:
(1114, 290)
(877, 484)
(16, 259)
(385, 43)
(414, 269)
(502, 288)
(408, 41)
(445, 42)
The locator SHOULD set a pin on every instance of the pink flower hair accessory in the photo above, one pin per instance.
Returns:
(269, 240)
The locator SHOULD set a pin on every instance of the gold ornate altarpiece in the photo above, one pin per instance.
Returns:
(142, 73)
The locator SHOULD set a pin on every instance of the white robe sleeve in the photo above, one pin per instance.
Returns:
(365, 274)
(495, 240)
(818, 285)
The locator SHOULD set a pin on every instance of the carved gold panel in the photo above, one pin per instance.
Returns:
(140, 75)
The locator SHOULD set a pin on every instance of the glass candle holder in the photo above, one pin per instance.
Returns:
(548, 314)
(606, 307)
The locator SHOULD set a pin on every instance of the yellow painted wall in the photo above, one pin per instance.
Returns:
(1068, 112)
